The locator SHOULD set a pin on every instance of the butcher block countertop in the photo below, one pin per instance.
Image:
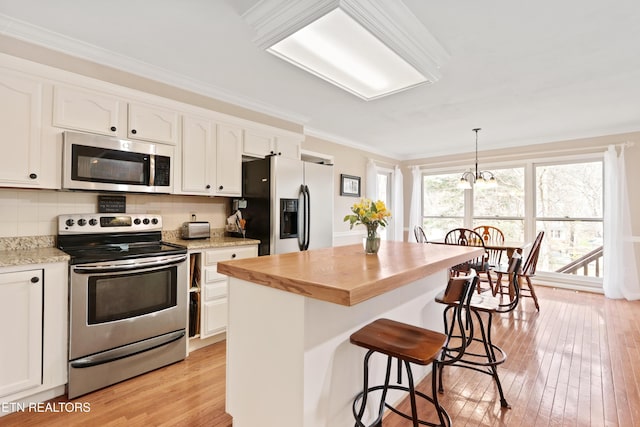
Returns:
(344, 274)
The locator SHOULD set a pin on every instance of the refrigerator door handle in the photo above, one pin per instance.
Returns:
(307, 212)
(302, 227)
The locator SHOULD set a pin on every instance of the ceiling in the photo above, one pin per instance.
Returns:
(524, 72)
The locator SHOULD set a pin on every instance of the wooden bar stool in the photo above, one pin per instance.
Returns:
(406, 344)
(485, 356)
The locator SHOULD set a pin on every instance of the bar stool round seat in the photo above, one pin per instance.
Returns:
(407, 344)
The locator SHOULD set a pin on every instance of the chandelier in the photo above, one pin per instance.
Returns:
(480, 178)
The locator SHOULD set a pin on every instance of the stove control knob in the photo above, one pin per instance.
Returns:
(154, 221)
(82, 222)
(93, 221)
(136, 221)
(69, 222)
(145, 221)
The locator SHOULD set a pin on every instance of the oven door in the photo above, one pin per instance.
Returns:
(116, 303)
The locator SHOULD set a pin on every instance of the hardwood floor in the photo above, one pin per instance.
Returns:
(188, 393)
(575, 363)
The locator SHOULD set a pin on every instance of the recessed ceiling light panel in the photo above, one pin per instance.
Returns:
(362, 46)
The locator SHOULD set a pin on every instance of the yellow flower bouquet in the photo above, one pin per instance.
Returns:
(371, 214)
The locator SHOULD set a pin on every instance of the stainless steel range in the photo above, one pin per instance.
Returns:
(128, 298)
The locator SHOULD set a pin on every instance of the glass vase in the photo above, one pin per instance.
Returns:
(371, 242)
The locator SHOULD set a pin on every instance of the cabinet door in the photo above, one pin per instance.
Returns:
(256, 144)
(21, 112)
(21, 335)
(153, 124)
(228, 161)
(198, 145)
(214, 317)
(85, 111)
(288, 147)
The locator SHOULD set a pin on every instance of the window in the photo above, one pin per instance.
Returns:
(569, 209)
(384, 180)
(502, 206)
(443, 204)
(563, 199)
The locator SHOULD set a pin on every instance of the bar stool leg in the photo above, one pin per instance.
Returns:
(365, 392)
(445, 420)
(412, 395)
(491, 356)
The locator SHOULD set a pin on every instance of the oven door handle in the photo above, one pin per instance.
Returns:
(112, 267)
(127, 350)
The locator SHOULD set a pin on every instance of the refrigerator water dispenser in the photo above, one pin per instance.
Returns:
(288, 218)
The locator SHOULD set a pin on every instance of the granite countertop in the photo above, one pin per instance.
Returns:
(211, 243)
(41, 249)
(13, 257)
(344, 274)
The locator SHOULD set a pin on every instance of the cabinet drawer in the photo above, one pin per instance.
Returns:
(214, 291)
(216, 255)
(211, 275)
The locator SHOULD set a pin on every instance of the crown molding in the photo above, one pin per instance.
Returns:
(329, 137)
(57, 42)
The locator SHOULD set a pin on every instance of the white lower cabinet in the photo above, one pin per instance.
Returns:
(21, 317)
(33, 315)
(212, 287)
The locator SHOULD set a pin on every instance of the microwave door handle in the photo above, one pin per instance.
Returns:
(152, 170)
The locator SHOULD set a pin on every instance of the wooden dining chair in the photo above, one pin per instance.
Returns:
(528, 270)
(491, 234)
(468, 237)
(421, 237)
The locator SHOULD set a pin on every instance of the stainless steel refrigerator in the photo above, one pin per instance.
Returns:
(289, 204)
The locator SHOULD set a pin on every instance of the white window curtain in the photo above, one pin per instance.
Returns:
(620, 273)
(398, 204)
(415, 218)
(371, 172)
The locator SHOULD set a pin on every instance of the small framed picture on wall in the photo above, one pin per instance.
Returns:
(349, 185)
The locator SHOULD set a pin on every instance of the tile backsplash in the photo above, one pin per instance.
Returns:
(26, 212)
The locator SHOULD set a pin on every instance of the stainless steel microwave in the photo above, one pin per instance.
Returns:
(94, 162)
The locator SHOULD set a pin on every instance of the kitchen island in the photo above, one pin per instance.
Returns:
(289, 360)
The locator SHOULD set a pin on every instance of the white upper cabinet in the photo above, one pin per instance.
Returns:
(153, 124)
(95, 112)
(21, 112)
(228, 160)
(198, 153)
(86, 111)
(288, 146)
(22, 144)
(257, 144)
(262, 143)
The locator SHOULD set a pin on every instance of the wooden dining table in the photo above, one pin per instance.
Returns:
(509, 246)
